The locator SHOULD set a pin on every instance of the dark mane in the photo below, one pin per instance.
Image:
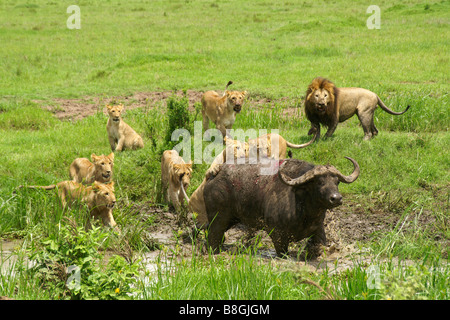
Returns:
(327, 118)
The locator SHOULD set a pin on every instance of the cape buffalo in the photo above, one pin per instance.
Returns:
(290, 204)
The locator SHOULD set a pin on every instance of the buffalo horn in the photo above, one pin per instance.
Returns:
(353, 176)
(319, 170)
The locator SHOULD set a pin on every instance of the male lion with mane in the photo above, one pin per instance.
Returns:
(328, 105)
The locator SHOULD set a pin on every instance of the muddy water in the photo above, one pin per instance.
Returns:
(7, 253)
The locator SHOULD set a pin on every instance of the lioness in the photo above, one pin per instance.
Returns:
(121, 136)
(273, 146)
(328, 105)
(98, 197)
(174, 172)
(270, 146)
(222, 110)
(100, 169)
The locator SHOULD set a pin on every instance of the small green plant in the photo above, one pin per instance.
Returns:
(178, 115)
(70, 265)
(405, 284)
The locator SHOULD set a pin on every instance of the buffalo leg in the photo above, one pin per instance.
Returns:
(280, 243)
(315, 242)
(216, 231)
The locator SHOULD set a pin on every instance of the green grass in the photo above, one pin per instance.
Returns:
(272, 50)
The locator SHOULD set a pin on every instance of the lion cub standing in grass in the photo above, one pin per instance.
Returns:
(174, 172)
(98, 197)
(121, 135)
(222, 110)
(100, 169)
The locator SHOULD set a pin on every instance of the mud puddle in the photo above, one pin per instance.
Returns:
(9, 254)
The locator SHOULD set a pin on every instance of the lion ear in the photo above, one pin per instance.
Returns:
(227, 93)
(120, 107)
(111, 156)
(96, 186)
(230, 141)
(108, 107)
(244, 93)
(94, 157)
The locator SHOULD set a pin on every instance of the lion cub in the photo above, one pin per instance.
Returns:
(174, 171)
(100, 169)
(98, 197)
(222, 110)
(121, 135)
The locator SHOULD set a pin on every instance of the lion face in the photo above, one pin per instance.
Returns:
(104, 194)
(183, 172)
(115, 112)
(320, 96)
(235, 149)
(321, 99)
(235, 99)
(103, 165)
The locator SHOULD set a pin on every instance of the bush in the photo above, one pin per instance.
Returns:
(178, 114)
(70, 266)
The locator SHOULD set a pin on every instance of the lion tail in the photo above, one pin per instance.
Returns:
(50, 187)
(298, 146)
(226, 87)
(383, 106)
(228, 84)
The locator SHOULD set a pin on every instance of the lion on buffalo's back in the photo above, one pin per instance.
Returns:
(328, 105)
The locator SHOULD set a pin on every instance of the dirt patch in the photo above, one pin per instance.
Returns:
(77, 109)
